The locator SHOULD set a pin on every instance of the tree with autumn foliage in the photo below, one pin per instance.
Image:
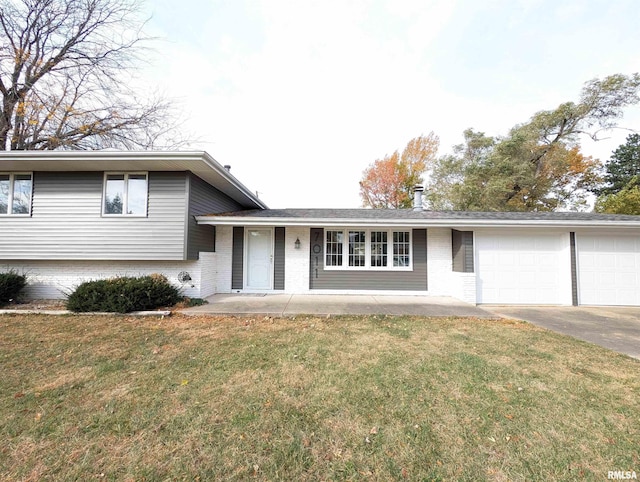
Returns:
(66, 67)
(538, 166)
(388, 182)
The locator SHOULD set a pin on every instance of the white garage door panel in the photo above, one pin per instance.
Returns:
(608, 270)
(519, 269)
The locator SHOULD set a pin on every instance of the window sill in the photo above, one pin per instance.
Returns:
(367, 268)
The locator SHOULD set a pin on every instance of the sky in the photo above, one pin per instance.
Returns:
(300, 96)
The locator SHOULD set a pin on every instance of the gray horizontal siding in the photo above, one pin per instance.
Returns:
(66, 221)
(414, 280)
(204, 199)
(237, 261)
(278, 259)
(462, 251)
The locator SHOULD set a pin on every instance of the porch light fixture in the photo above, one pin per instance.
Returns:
(297, 243)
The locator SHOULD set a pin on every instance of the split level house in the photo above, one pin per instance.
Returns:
(69, 217)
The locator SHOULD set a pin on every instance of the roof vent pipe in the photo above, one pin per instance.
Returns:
(417, 197)
(227, 167)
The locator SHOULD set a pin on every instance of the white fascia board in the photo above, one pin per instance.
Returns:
(247, 221)
(195, 161)
(452, 223)
(213, 164)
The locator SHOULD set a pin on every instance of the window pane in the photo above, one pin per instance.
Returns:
(4, 193)
(114, 194)
(334, 248)
(137, 194)
(21, 194)
(378, 248)
(356, 248)
(401, 253)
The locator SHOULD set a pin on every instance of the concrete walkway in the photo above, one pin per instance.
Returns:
(322, 305)
(614, 327)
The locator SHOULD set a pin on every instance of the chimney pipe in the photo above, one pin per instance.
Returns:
(417, 197)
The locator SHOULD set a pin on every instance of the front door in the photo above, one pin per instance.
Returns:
(259, 259)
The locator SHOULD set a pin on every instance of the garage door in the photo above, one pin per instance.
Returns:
(608, 270)
(519, 269)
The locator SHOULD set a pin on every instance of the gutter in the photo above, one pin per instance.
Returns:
(409, 223)
(114, 156)
(215, 165)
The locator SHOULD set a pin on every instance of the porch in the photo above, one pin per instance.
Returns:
(332, 304)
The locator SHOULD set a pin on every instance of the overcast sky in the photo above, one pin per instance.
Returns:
(300, 96)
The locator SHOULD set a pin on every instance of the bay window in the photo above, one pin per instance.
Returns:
(15, 193)
(367, 249)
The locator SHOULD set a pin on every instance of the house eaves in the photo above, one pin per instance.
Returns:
(408, 219)
(198, 162)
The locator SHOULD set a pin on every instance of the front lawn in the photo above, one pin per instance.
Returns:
(348, 398)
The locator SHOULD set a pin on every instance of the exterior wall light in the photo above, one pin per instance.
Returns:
(297, 243)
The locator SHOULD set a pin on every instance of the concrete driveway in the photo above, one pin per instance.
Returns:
(322, 305)
(613, 327)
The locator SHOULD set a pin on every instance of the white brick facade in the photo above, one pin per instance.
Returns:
(443, 281)
(208, 266)
(296, 263)
(212, 272)
(56, 279)
(222, 260)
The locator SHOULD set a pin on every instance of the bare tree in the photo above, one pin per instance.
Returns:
(66, 73)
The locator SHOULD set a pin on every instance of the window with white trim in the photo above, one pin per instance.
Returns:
(125, 194)
(367, 249)
(334, 248)
(357, 248)
(401, 248)
(15, 193)
(379, 248)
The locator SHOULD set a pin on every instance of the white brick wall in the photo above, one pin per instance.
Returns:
(443, 281)
(296, 266)
(212, 272)
(463, 287)
(224, 241)
(208, 264)
(54, 279)
(439, 262)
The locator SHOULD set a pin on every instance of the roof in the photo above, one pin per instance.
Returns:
(410, 217)
(198, 162)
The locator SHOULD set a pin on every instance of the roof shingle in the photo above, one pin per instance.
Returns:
(410, 214)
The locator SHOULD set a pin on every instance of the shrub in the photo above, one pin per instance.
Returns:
(195, 302)
(11, 283)
(123, 294)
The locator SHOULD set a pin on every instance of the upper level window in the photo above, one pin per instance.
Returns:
(15, 193)
(125, 194)
(367, 249)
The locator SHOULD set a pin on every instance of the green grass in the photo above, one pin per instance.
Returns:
(349, 398)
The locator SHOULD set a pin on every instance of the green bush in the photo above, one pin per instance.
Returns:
(123, 294)
(11, 283)
(189, 302)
